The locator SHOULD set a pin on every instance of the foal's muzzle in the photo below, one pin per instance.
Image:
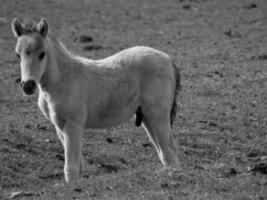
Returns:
(28, 87)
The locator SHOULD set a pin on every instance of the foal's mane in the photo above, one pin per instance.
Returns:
(59, 46)
(29, 27)
(65, 57)
(63, 52)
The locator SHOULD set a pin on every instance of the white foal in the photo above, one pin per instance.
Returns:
(77, 93)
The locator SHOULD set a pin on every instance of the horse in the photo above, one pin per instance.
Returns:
(77, 93)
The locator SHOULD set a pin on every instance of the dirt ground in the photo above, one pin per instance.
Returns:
(221, 128)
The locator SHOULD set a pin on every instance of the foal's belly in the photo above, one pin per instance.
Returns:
(117, 110)
(110, 120)
(111, 116)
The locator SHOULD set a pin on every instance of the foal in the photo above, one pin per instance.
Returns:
(77, 93)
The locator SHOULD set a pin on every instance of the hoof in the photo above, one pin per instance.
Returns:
(71, 175)
(170, 170)
(172, 166)
(170, 162)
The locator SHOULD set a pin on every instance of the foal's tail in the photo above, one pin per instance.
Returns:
(177, 89)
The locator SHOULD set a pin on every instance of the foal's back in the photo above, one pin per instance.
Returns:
(135, 57)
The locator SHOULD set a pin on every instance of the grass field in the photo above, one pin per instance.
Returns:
(220, 47)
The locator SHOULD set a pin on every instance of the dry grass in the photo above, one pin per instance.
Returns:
(220, 47)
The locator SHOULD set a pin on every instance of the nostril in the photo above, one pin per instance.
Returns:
(29, 84)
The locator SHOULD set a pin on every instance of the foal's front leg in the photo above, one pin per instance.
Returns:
(72, 134)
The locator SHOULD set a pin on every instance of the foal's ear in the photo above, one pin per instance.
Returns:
(43, 27)
(17, 28)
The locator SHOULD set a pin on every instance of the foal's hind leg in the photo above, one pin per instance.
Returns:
(158, 128)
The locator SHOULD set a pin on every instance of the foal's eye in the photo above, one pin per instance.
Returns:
(42, 55)
(18, 56)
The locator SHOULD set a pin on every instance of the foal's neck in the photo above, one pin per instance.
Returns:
(57, 61)
(61, 64)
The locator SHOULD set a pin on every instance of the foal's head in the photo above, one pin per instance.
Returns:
(31, 50)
